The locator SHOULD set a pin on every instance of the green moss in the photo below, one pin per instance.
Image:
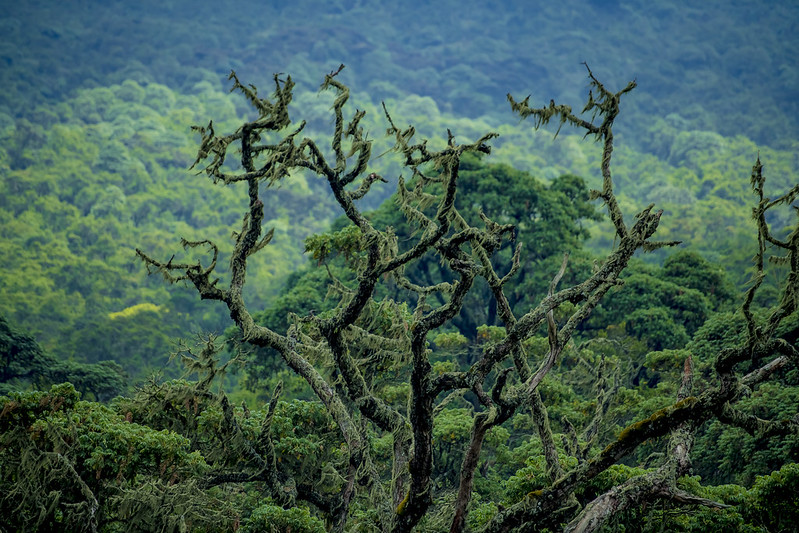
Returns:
(641, 425)
(401, 507)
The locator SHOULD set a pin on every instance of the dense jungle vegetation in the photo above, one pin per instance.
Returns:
(116, 416)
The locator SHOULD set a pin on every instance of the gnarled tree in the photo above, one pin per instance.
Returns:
(348, 354)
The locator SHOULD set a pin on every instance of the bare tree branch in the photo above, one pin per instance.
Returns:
(269, 151)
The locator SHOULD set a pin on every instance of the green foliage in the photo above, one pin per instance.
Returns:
(665, 306)
(656, 328)
(490, 334)
(450, 437)
(481, 514)
(774, 500)
(549, 218)
(666, 365)
(306, 440)
(613, 476)
(687, 307)
(693, 519)
(730, 455)
(451, 434)
(273, 519)
(451, 341)
(141, 339)
(21, 409)
(769, 505)
(93, 182)
(22, 358)
(701, 519)
(305, 292)
(689, 269)
(532, 478)
(71, 464)
(23, 363)
(347, 243)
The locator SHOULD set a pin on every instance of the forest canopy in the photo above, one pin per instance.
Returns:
(418, 417)
(493, 317)
(93, 129)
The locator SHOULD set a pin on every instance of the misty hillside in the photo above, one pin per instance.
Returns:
(99, 98)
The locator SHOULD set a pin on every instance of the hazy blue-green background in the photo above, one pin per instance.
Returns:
(98, 98)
